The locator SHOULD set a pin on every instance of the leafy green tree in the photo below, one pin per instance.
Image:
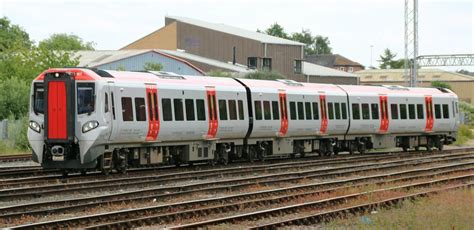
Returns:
(276, 30)
(322, 45)
(64, 41)
(440, 84)
(152, 66)
(12, 36)
(14, 98)
(387, 60)
(314, 44)
(265, 75)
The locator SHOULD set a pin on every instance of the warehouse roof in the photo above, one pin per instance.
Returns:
(264, 38)
(317, 70)
(330, 60)
(396, 75)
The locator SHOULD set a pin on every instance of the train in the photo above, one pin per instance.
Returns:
(85, 118)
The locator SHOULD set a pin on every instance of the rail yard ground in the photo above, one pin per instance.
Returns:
(361, 191)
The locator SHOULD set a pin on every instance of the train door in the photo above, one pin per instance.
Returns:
(429, 113)
(111, 116)
(283, 113)
(153, 116)
(384, 122)
(212, 109)
(324, 118)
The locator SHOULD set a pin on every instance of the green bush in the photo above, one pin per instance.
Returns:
(14, 98)
(464, 135)
(218, 73)
(468, 111)
(265, 75)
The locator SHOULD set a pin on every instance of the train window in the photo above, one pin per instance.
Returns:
(411, 111)
(85, 98)
(155, 100)
(38, 98)
(258, 110)
(292, 110)
(232, 110)
(337, 108)
(178, 109)
(300, 111)
(140, 109)
(167, 113)
(375, 111)
(201, 111)
(445, 111)
(394, 111)
(307, 107)
(330, 111)
(267, 113)
(315, 111)
(438, 111)
(454, 112)
(189, 104)
(106, 103)
(127, 111)
(344, 111)
(113, 104)
(355, 111)
(403, 111)
(150, 106)
(275, 109)
(222, 110)
(419, 111)
(365, 111)
(241, 109)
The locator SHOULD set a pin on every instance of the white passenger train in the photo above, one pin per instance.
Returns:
(86, 118)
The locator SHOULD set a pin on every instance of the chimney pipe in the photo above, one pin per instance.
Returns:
(233, 56)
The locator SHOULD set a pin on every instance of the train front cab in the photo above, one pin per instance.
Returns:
(56, 131)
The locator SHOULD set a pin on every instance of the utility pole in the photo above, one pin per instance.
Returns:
(411, 42)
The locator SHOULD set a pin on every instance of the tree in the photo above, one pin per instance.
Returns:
(276, 30)
(66, 42)
(12, 36)
(322, 45)
(152, 66)
(440, 84)
(14, 98)
(387, 60)
(265, 75)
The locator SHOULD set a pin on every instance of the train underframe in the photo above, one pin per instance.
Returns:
(225, 151)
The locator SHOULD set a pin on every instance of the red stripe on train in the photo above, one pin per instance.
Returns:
(384, 121)
(284, 114)
(153, 114)
(212, 112)
(429, 113)
(324, 118)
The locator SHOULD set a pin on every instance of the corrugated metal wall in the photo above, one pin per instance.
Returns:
(136, 63)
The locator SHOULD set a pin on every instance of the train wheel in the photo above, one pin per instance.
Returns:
(351, 148)
(65, 172)
(83, 172)
(362, 148)
(405, 148)
(417, 148)
(440, 146)
(106, 171)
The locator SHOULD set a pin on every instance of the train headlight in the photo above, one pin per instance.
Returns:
(90, 125)
(35, 126)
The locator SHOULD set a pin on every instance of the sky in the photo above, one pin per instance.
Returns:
(353, 26)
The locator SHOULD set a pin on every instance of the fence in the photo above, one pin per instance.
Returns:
(10, 129)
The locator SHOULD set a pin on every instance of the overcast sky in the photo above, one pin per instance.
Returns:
(445, 26)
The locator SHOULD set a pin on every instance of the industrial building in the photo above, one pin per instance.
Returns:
(461, 84)
(227, 44)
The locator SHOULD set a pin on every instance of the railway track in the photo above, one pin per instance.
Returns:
(447, 167)
(18, 157)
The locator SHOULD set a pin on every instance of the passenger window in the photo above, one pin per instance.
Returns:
(344, 111)
(167, 113)
(300, 111)
(275, 109)
(127, 112)
(106, 103)
(411, 111)
(178, 109)
(232, 110)
(375, 111)
(337, 108)
(201, 111)
(222, 110)
(330, 111)
(38, 98)
(85, 98)
(292, 110)
(258, 110)
(419, 111)
(438, 111)
(445, 111)
(365, 111)
(266, 110)
(241, 110)
(189, 103)
(394, 111)
(140, 109)
(315, 111)
(307, 107)
(403, 111)
(355, 111)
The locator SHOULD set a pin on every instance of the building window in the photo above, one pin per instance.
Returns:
(351, 69)
(252, 62)
(342, 69)
(297, 66)
(267, 64)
